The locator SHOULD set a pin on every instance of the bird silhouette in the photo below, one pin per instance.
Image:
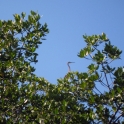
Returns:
(69, 69)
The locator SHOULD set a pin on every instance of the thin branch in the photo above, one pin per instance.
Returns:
(95, 92)
(98, 90)
(115, 114)
(103, 83)
(106, 79)
(118, 117)
(95, 48)
(87, 58)
(90, 56)
(111, 61)
(111, 80)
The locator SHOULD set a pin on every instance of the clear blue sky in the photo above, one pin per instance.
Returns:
(67, 21)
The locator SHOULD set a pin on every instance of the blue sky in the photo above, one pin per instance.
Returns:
(67, 21)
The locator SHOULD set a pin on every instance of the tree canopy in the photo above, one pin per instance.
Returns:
(75, 99)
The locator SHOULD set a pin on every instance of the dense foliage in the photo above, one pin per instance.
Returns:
(19, 39)
(76, 99)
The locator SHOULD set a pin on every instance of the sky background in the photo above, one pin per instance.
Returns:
(67, 21)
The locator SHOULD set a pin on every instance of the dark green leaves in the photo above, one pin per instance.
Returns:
(92, 43)
(112, 51)
(94, 39)
(119, 72)
(101, 75)
(84, 52)
(92, 68)
(23, 15)
(98, 57)
(19, 101)
(76, 99)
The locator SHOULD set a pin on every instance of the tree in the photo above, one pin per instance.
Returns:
(18, 84)
(75, 99)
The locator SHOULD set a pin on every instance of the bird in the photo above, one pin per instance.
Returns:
(69, 69)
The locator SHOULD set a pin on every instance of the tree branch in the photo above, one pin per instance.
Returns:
(115, 114)
(106, 78)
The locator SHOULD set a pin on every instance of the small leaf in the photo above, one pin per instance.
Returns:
(0, 23)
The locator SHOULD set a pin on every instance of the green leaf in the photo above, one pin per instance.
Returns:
(99, 57)
(23, 15)
(56, 111)
(0, 23)
(112, 51)
(92, 68)
(33, 13)
(104, 38)
(33, 49)
(84, 52)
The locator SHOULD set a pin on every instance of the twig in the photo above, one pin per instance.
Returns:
(115, 115)
(87, 58)
(106, 78)
(98, 90)
(103, 83)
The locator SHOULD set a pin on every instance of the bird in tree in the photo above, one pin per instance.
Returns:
(69, 69)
